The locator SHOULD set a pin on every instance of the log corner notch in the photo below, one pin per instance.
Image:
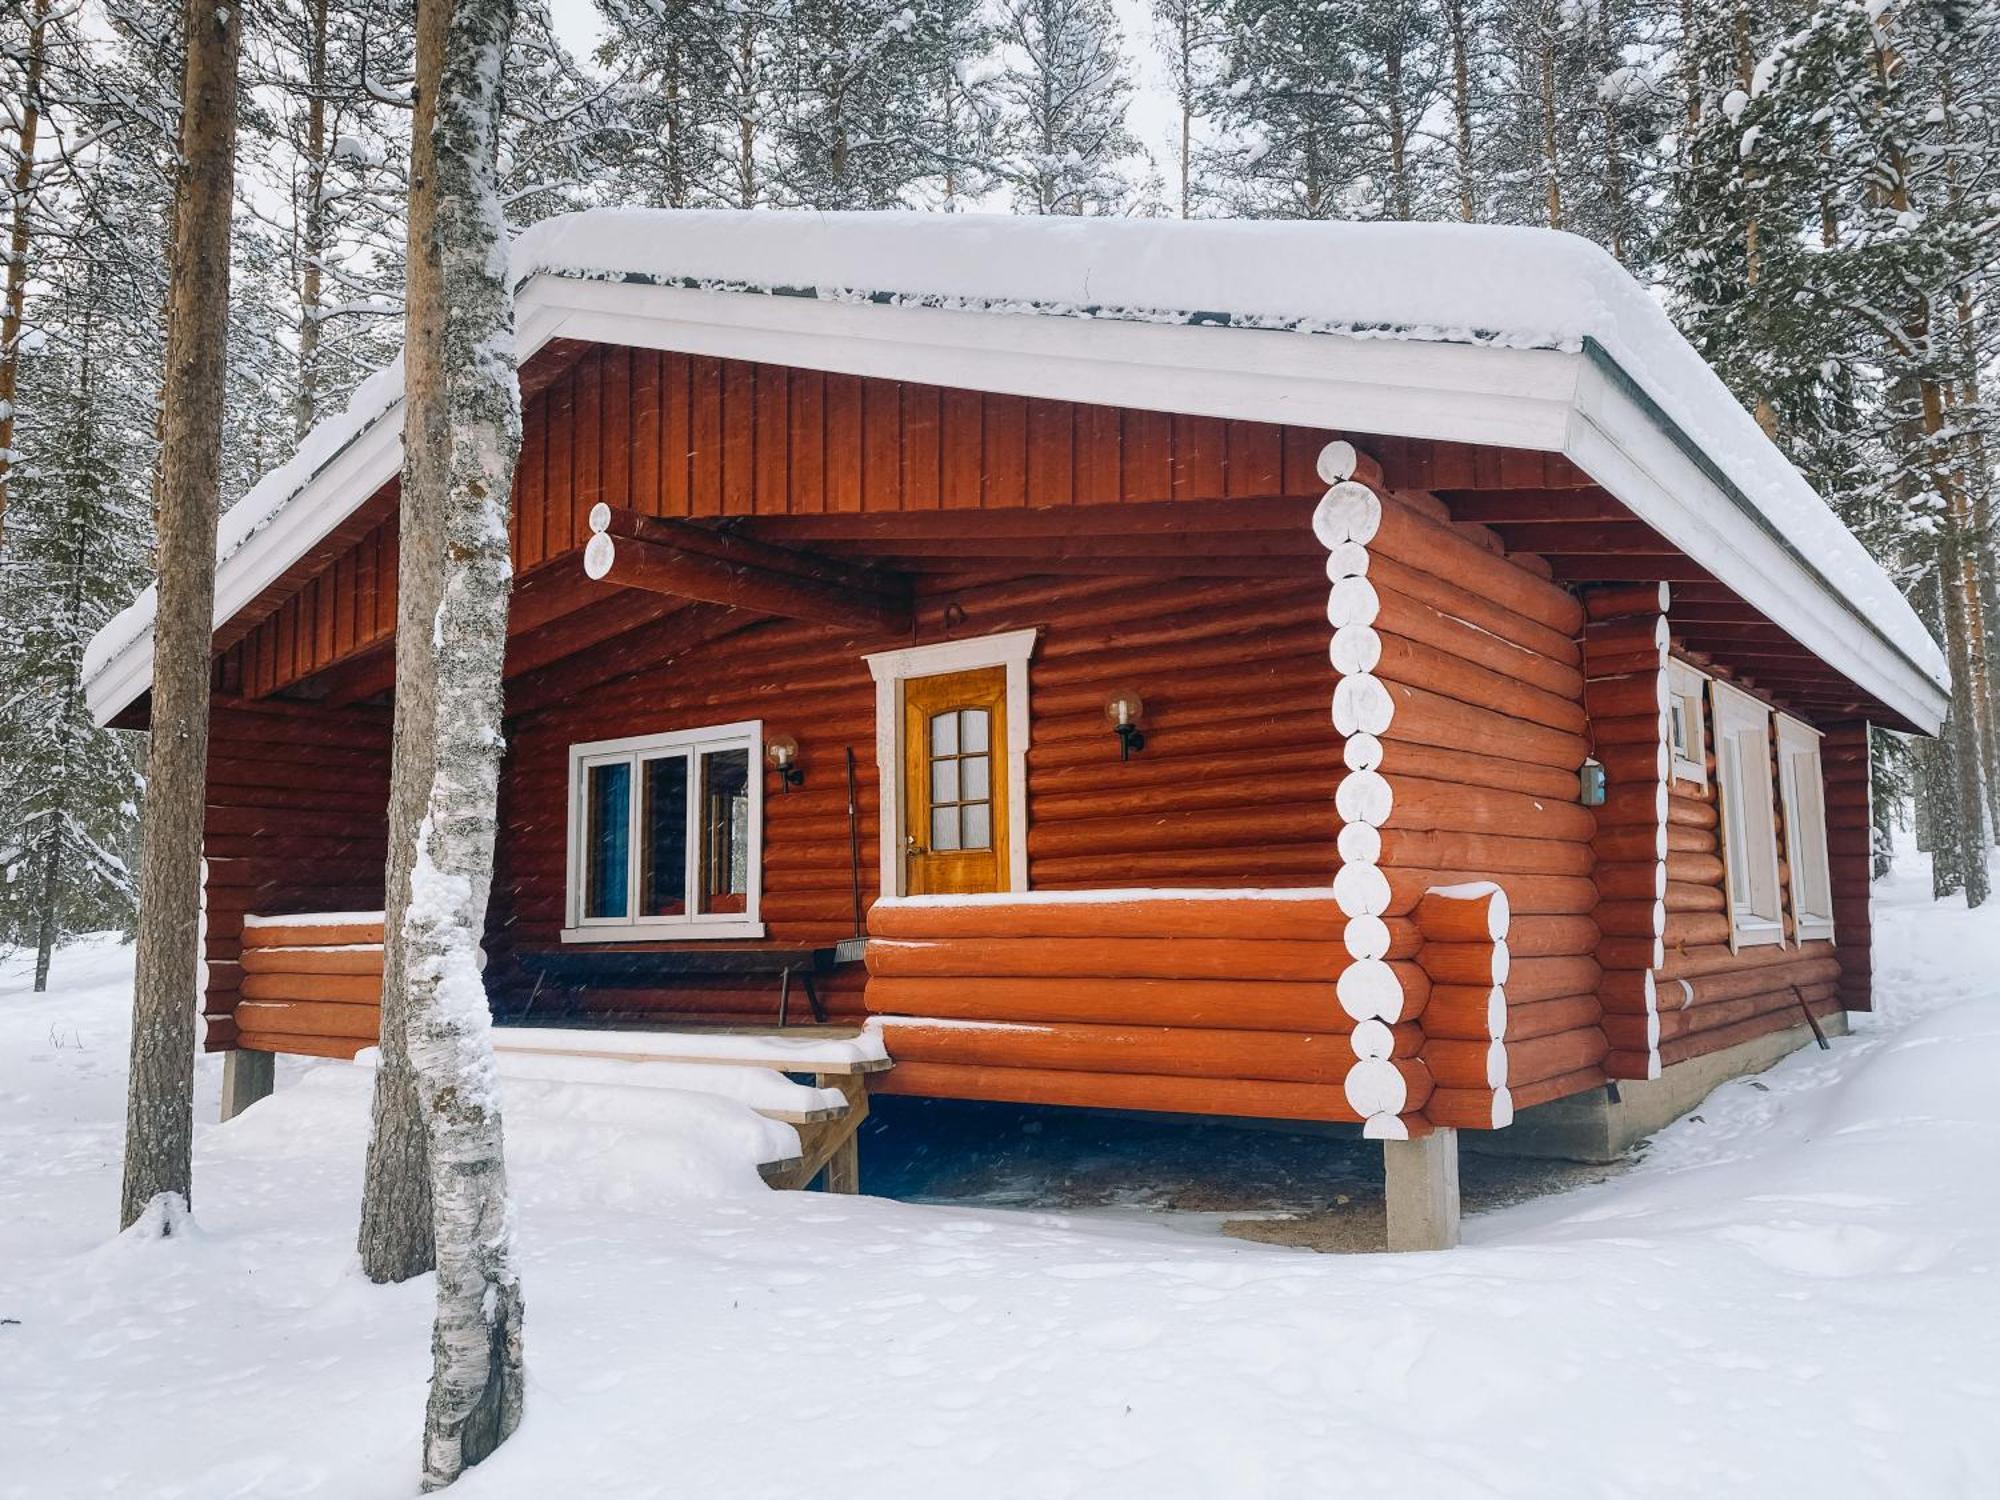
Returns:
(1466, 958)
(710, 566)
(1625, 645)
(1370, 991)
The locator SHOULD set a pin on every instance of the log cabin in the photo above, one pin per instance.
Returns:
(1313, 672)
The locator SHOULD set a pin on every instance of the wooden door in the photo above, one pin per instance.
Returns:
(955, 812)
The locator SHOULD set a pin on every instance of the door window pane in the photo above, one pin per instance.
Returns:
(974, 778)
(944, 781)
(976, 728)
(663, 837)
(607, 840)
(944, 734)
(725, 847)
(978, 825)
(944, 828)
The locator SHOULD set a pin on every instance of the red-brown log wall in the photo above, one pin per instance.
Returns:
(1234, 788)
(295, 823)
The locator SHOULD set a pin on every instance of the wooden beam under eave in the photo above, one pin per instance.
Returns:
(1602, 567)
(646, 648)
(737, 583)
(1531, 507)
(1622, 538)
(1172, 518)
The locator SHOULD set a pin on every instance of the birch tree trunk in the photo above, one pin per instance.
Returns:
(463, 434)
(159, 1119)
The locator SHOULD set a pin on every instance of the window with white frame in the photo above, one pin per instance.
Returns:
(1686, 733)
(1748, 815)
(666, 835)
(1802, 786)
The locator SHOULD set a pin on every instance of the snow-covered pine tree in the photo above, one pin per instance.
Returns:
(853, 121)
(1190, 36)
(1286, 148)
(1466, 27)
(75, 553)
(1063, 92)
(462, 433)
(694, 82)
(159, 1116)
(332, 157)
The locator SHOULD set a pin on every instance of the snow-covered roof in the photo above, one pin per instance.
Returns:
(1520, 337)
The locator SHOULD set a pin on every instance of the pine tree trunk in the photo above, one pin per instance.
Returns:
(1551, 141)
(1461, 107)
(313, 250)
(1938, 772)
(17, 246)
(160, 1105)
(463, 430)
(396, 1240)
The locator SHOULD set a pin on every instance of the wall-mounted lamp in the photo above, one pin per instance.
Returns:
(1590, 784)
(783, 754)
(1123, 710)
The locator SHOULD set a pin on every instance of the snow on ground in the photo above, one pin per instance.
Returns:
(1794, 1294)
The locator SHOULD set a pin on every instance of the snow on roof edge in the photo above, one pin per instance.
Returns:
(1497, 285)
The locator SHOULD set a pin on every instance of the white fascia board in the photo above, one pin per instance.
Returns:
(334, 492)
(1625, 450)
(1468, 393)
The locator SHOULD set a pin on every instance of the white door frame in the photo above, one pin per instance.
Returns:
(891, 670)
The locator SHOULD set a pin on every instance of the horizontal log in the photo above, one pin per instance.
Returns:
(1241, 1004)
(310, 1018)
(353, 988)
(1715, 958)
(1640, 918)
(1641, 805)
(300, 1046)
(1468, 768)
(1708, 989)
(1298, 1057)
(1469, 1109)
(1555, 1056)
(1696, 929)
(273, 934)
(1547, 1017)
(1426, 718)
(1630, 952)
(1244, 1098)
(1477, 963)
(1635, 694)
(1686, 812)
(1244, 865)
(1688, 868)
(1533, 979)
(739, 584)
(1468, 1012)
(1108, 958)
(1632, 880)
(1462, 914)
(1447, 807)
(1466, 1064)
(1388, 575)
(1552, 937)
(1417, 620)
(1306, 916)
(1582, 1081)
(1636, 1066)
(1646, 728)
(1475, 683)
(1641, 762)
(1615, 601)
(1683, 896)
(1702, 1043)
(358, 959)
(1635, 632)
(1636, 844)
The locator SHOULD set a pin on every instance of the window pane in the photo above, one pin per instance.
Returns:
(663, 837)
(725, 845)
(974, 778)
(978, 825)
(944, 781)
(944, 734)
(975, 728)
(944, 828)
(1680, 735)
(607, 840)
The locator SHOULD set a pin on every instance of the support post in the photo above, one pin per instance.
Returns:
(1420, 1189)
(246, 1077)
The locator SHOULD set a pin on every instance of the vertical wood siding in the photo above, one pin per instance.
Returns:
(688, 435)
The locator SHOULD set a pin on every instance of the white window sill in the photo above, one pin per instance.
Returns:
(1755, 933)
(1688, 770)
(1816, 930)
(661, 932)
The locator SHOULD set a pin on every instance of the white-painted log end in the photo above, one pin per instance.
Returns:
(1336, 462)
(598, 553)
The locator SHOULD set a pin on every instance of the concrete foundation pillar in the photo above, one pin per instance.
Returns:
(246, 1078)
(1420, 1180)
